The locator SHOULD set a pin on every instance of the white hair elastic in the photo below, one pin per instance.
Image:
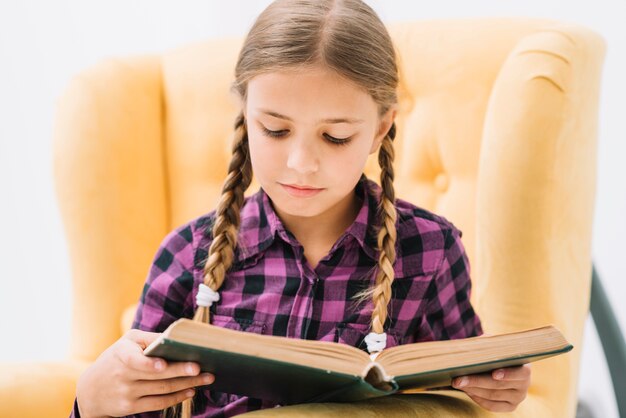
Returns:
(206, 296)
(376, 342)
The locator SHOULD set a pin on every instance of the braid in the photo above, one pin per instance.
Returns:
(381, 294)
(222, 249)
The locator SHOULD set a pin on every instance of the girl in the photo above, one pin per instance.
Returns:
(320, 251)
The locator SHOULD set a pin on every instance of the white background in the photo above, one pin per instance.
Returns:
(43, 44)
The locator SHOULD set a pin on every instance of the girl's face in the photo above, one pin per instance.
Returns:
(312, 129)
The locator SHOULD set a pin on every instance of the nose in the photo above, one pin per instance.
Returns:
(303, 155)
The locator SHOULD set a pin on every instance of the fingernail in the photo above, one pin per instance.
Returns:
(461, 382)
(190, 369)
(158, 365)
(499, 374)
(207, 378)
(189, 393)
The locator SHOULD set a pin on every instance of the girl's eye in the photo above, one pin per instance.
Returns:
(274, 134)
(281, 133)
(337, 141)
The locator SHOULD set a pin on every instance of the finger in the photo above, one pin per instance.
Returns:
(131, 355)
(512, 396)
(167, 386)
(153, 403)
(512, 373)
(143, 338)
(171, 370)
(485, 381)
(495, 406)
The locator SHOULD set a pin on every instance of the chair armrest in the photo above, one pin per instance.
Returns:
(535, 197)
(38, 389)
(110, 183)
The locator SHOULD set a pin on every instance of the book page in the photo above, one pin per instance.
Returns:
(438, 355)
(340, 358)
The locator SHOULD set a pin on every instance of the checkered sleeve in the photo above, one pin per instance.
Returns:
(449, 313)
(167, 292)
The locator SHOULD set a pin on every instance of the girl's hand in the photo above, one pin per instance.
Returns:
(499, 391)
(123, 381)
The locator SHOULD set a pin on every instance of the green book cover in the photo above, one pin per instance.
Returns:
(290, 371)
(285, 383)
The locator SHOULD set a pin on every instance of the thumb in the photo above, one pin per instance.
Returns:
(142, 338)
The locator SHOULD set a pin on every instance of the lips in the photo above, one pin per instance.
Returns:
(295, 186)
(300, 191)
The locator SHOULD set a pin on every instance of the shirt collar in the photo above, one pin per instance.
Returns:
(260, 225)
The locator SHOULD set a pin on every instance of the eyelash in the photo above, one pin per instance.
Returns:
(279, 134)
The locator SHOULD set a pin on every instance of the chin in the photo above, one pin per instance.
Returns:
(305, 209)
(306, 212)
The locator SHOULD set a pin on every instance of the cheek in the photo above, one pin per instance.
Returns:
(265, 155)
(352, 160)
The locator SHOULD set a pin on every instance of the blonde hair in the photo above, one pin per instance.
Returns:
(348, 37)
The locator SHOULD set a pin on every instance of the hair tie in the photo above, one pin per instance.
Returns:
(392, 131)
(206, 296)
(375, 342)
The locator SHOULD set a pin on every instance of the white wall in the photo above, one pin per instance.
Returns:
(42, 44)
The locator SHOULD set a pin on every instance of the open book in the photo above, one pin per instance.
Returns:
(290, 371)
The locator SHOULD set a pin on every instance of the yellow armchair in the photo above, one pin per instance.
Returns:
(496, 131)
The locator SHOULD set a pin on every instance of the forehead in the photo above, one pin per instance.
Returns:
(314, 91)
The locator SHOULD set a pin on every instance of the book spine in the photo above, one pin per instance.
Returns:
(355, 391)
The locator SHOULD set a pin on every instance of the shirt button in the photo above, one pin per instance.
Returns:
(442, 181)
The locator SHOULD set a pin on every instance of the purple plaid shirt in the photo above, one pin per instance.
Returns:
(272, 289)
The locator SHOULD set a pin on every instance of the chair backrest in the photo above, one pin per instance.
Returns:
(496, 131)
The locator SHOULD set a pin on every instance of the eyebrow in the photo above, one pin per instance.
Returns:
(329, 120)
